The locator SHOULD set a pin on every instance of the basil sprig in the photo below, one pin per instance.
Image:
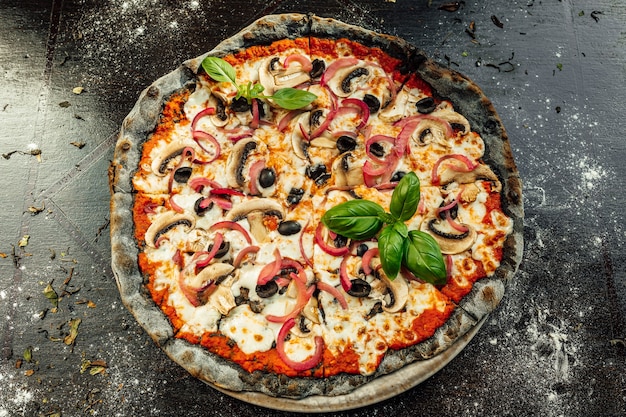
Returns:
(287, 98)
(417, 251)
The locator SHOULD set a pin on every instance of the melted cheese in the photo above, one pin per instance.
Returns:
(357, 329)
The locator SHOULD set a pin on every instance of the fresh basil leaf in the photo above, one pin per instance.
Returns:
(391, 246)
(401, 229)
(424, 259)
(292, 98)
(405, 197)
(354, 219)
(219, 70)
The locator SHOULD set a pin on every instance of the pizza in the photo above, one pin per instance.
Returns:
(311, 206)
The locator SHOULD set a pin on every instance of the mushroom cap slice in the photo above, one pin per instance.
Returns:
(297, 140)
(210, 274)
(345, 81)
(220, 118)
(446, 112)
(345, 173)
(164, 156)
(398, 289)
(264, 205)
(237, 160)
(450, 241)
(166, 221)
(274, 76)
(222, 298)
(429, 131)
(481, 172)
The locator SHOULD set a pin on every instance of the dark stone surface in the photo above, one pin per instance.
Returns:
(554, 71)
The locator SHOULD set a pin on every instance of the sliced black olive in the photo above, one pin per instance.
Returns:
(321, 180)
(377, 149)
(267, 290)
(220, 110)
(378, 308)
(243, 296)
(358, 72)
(458, 236)
(223, 249)
(240, 105)
(267, 177)
(295, 195)
(345, 144)
(198, 206)
(289, 227)
(315, 171)
(315, 118)
(425, 105)
(397, 176)
(359, 288)
(340, 241)
(372, 102)
(182, 174)
(361, 249)
(318, 68)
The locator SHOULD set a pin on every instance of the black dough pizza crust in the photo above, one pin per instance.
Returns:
(468, 100)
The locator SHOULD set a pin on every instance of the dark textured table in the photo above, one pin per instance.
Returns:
(70, 70)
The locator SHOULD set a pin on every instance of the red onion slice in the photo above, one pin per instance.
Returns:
(298, 366)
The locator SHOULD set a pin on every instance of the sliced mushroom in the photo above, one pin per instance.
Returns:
(429, 131)
(311, 310)
(446, 112)
(347, 173)
(403, 104)
(297, 137)
(222, 298)
(273, 75)
(171, 151)
(481, 172)
(397, 289)
(165, 222)
(264, 205)
(323, 142)
(213, 273)
(257, 227)
(220, 118)
(237, 161)
(347, 80)
(255, 210)
(450, 240)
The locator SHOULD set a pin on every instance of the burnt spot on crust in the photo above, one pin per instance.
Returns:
(153, 92)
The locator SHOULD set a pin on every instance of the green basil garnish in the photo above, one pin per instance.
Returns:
(424, 259)
(417, 251)
(292, 98)
(287, 98)
(391, 245)
(405, 197)
(219, 70)
(355, 219)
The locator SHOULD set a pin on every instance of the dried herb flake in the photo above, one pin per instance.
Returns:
(23, 241)
(71, 338)
(497, 21)
(51, 295)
